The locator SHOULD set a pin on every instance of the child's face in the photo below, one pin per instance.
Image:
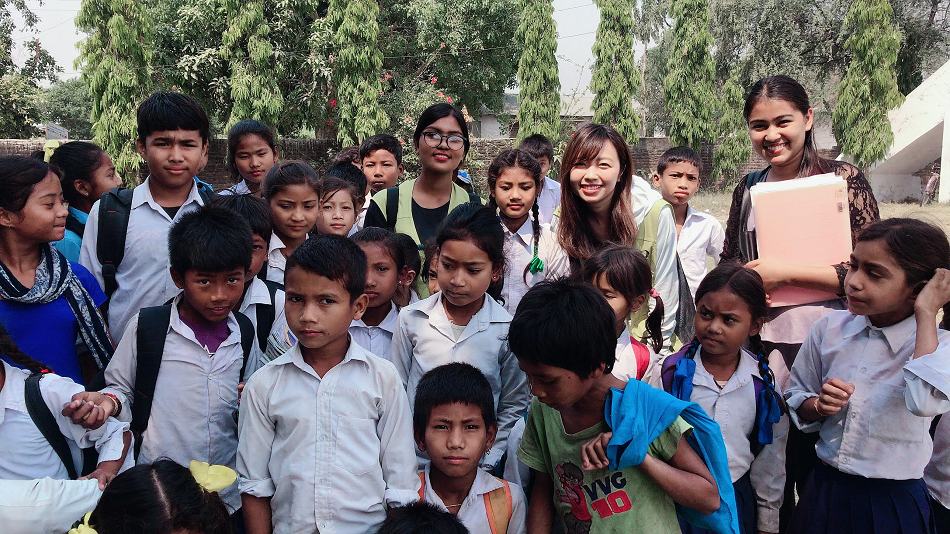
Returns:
(318, 310)
(678, 183)
(557, 387)
(173, 156)
(594, 181)
(294, 209)
(103, 179)
(43, 217)
(465, 272)
(208, 297)
(381, 170)
(337, 214)
(545, 165)
(382, 275)
(618, 303)
(258, 256)
(514, 193)
(441, 159)
(434, 275)
(777, 130)
(723, 323)
(254, 158)
(876, 286)
(456, 438)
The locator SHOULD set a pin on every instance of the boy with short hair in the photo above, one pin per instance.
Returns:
(326, 431)
(128, 254)
(549, 197)
(381, 157)
(454, 422)
(698, 234)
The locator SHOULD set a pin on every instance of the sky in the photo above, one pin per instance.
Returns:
(576, 24)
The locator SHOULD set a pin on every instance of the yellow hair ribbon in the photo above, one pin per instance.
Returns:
(84, 528)
(211, 477)
(49, 148)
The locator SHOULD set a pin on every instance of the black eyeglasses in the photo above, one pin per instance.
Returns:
(434, 139)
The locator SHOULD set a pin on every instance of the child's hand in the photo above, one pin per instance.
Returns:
(772, 273)
(594, 452)
(104, 473)
(89, 409)
(934, 295)
(833, 397)
(240, 391)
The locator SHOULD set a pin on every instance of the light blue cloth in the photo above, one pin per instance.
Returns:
(70, 244)
(638, 414)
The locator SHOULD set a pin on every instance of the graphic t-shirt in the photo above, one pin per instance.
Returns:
(625, 501)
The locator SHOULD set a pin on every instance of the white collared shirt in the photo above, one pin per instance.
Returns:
(937, 472)
(259, 294)
(549, 200)
(665, 278)
(331, 453)
(143, 277)
(377, 340)
(361, 216)
(25, 454)
(474, 513)
(45, 506)
(626, 366)
(519, 251)
(424, 341)
(195, 405)
(878, 421)
(702, 235)
(239, 188)
(276, 262)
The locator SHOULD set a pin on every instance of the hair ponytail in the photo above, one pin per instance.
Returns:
(9, 349)
(765, 372)
(654, 324)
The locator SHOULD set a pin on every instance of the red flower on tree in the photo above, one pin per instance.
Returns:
(449, 100)
(333, 103)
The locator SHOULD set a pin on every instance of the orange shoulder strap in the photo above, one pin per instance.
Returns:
(422, 487)
(498, 508)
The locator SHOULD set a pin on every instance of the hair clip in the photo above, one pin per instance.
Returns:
(654, 293)
(212, 477)
(537, 264)
(83, 528)
(48, 149)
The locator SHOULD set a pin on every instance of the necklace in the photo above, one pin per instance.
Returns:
(454, 505)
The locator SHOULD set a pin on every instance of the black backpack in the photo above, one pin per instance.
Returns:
(46, 423)
(266, 313)
(74, 226)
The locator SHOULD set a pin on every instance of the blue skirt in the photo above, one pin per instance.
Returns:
(838, 503)
(941, 516)
(745, 504)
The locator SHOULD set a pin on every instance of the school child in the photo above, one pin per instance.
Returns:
(88, 173)
(326, 430)
(292, 191)
(597, 207)
(464, 322)
(622, 275)
(937, 474)
(870, 379)
(549, 193)
(430, 275)
(251, 154)
(126, 241)
(531, 249)
(386, 270)
(698, 234)
(46, 505)
(349, 155)
(381, 161)
(337, 214)
(46, 302)
(416, 207)
(356, 178)
(421, 518)
(454, 422)
(406, 293)
(564, 338)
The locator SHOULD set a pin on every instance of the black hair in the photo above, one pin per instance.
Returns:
(679, 154)
(210, 239)
(421, 518)
(539, 146)
(78, 160)
(381, 142)
(159, 498)
(472, 221)
(18, 176)
(436, 112)
(521, 159)
(241, 130)
(334, 258)
(431, 252)
(252, 209)
(628, 272)
(354, 176)
(10, 350)
(449, 384)
(565, 323)
(287, 173)
(411, 250)
(386, 239)
(169, 111)
(348, 155)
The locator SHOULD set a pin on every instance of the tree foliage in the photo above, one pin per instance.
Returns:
(539, 111)
(688, 86)
(20, 112)
(734, 149)
(67, 103)
(615, 80)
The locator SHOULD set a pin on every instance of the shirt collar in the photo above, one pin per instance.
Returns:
(275, 243)
(490, 312)
(143, 195)
(896, 334)
(80, 215)
(295, 357)
(525, 232)
(483, 483)
(12, 395)
(257, 293)
(175, 323)
(388, 323)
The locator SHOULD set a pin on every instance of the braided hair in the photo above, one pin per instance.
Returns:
(9, 349)
(519, 159)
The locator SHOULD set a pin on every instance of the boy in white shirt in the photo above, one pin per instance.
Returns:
(698, 234)
(549, 195)
(325, 429)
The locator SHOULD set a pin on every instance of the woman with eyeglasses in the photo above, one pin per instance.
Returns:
(417, 207)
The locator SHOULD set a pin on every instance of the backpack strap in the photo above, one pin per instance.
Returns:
(668, 369)
(472, 197)
(74, 226)
(422, 488)
(392, 207)
(43, 419)
(642, 354)
(755, 177)
(149, 347)
(498, 507)
(247, 339)
(205, 191)
(266, 313)
(115, 208)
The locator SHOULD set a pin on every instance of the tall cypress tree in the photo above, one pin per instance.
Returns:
(869, 88)
(615, 79)
(539, 110)
(255, 72)
(688, 87)
(734, 150)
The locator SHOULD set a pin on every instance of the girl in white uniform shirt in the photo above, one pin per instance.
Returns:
(870, 380)
(937, 475)
(290, 190)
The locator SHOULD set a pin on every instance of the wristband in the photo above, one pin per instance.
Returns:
(818, 409)
(118, 404)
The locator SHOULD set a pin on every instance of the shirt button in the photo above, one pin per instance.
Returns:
(864, 369)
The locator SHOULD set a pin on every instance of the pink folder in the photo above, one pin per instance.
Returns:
(805, 221)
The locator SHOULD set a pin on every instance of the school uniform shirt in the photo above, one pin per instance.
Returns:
(195, 406)
(734, 407)
(143, 276)
(25, 454)
(361, 217)
(474, 513)
(276, 262)
(549, 200)
(45, 506)
(332, 453)
(71, 242)
(258, 294)
(625, 359)
(937, 472)
(239, 188)
(519, 250)
(424, 340)
(377, 340)
(876, 435)
(665, 278)
(701, 236)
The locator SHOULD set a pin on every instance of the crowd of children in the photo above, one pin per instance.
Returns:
(351, 353)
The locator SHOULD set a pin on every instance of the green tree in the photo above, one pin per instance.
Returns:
(688, 87)
(67, 103)
(114, 60)
(255, 71)
(615, 79)
(539, 110)
(869, 88)
(734, 150)
(20, 112)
